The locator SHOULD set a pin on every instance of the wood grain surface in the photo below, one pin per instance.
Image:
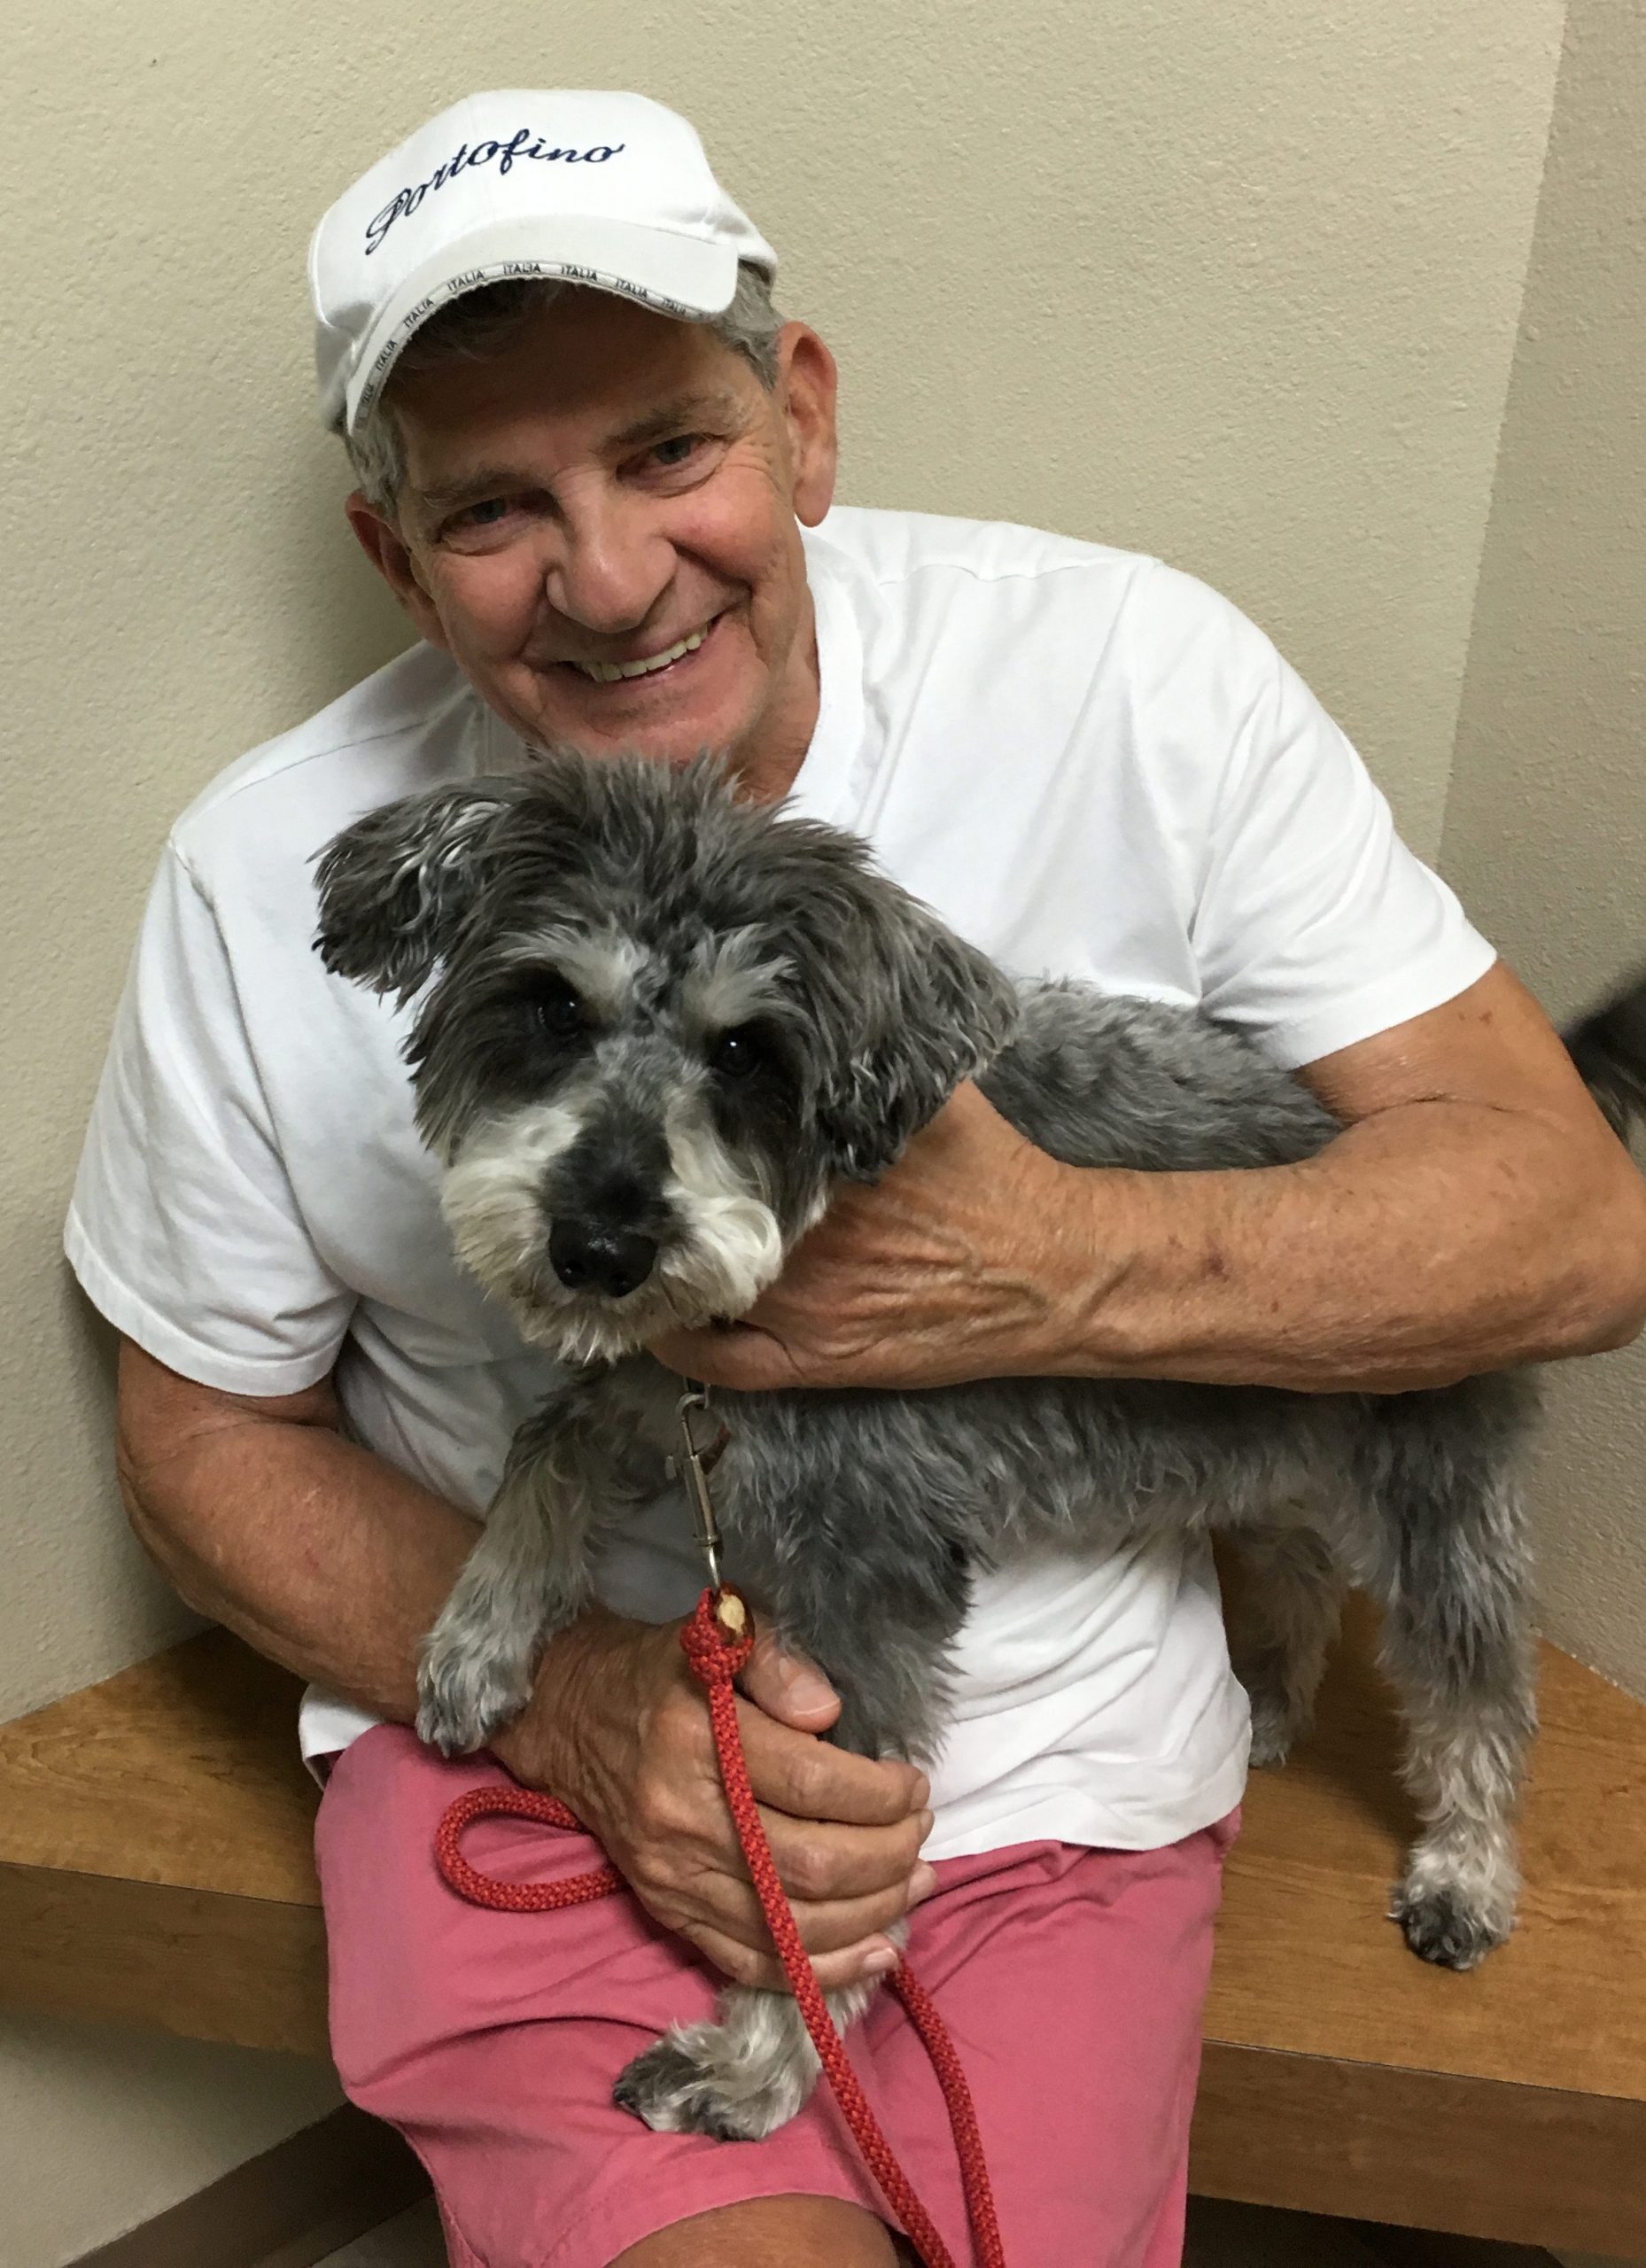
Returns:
(183, 1769)
(1307, 1964)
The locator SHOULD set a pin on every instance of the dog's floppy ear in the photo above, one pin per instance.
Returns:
(918, 1010)
(396, 887)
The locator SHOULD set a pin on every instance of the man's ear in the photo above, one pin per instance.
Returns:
(389, 552)
(807, 388)
(397, 886)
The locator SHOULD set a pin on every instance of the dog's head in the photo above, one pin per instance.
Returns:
(658, 1024)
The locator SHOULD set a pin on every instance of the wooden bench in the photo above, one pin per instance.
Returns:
(155, 1866)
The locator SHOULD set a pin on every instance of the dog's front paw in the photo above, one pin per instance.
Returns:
(693, 2082)
(464, 1696)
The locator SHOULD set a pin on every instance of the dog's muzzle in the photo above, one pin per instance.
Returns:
(594, 1255)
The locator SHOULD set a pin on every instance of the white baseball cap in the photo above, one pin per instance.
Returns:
(608, 189)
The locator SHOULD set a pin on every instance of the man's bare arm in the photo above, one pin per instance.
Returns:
(1476, 1212)
(315, 1551)
(327, 1559)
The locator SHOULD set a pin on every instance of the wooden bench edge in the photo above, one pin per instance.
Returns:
(1424, 2150)
(200, 1964)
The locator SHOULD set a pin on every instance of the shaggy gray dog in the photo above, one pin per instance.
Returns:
(661, 1025)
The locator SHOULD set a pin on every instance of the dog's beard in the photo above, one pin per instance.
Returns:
(725, 1246)
(732, 1245)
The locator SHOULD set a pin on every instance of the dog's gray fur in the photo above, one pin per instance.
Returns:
(588, 935)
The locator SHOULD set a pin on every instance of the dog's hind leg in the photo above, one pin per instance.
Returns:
(1467, 1737)
(1457, 1647)
(742, 2077)
(1290, 1605)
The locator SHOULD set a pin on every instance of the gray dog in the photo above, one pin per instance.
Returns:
(661, 1025)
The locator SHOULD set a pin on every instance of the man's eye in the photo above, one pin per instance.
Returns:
(676, 451)
(473, 519)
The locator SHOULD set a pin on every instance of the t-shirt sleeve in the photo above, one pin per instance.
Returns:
(183, 1227)
(1314, 926)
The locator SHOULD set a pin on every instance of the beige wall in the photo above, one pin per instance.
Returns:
(1546, 827)
(1237, 285)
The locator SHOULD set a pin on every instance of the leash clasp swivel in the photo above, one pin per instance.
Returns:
(695, 1462)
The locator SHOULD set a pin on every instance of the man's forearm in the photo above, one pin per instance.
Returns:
(1420, 1247)
(315, 1551)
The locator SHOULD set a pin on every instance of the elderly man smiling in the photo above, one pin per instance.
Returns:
(597, 469)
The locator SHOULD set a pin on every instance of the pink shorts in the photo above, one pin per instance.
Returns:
(1072, 1981)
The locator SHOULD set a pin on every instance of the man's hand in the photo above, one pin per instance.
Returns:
(937, 1274)
(618, 1729)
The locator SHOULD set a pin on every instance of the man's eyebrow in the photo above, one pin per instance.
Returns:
(467, 488)
(719, 408)
(677, 417)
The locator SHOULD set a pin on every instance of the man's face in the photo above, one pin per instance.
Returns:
(609, 488)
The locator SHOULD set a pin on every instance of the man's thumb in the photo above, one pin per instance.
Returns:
(788, 1687)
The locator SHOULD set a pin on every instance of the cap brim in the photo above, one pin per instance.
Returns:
(676, 275)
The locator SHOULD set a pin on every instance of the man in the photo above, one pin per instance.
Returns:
(597, 470)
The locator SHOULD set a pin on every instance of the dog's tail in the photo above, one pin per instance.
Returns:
(1609, 1048)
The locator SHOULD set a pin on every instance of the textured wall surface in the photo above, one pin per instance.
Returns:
(102, 2125)
(1546, 829)
(1235, 284)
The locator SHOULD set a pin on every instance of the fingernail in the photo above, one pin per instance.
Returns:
(879, 1964)
(922, 1881)
(803, 1688)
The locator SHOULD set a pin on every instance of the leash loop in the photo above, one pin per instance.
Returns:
(512, 1897)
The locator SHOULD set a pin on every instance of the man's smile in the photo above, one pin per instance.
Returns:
(667, 661)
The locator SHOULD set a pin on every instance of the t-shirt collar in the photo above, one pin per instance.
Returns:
(825, 782)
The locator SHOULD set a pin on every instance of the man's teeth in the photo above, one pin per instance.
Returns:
(609, 673)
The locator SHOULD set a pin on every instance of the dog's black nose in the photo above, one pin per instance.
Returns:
(589, 1254)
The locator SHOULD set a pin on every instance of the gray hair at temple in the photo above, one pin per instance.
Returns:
(483, 322)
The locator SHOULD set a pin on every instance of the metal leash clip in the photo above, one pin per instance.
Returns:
(693, 1466)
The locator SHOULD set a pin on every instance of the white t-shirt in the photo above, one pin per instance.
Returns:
(1089, 764)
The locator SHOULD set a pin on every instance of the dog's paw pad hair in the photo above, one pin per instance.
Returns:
(464, 1700)
(1272, 1735)
(679, 2087)
(1441, 1926)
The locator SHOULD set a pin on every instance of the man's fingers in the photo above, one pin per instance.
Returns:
(829, 1916)
(873, 1956)
(817, 1864)
(810, 1779)
(826, 1925)
(788, 1688)
(736, 1356)
(827, 1928)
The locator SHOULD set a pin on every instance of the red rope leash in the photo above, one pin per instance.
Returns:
(521, 1897)
(717, 1653)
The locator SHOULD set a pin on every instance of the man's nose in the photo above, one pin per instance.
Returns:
(611, 566)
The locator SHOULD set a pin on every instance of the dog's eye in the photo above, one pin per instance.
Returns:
(736, 1053)
(558, 1009)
